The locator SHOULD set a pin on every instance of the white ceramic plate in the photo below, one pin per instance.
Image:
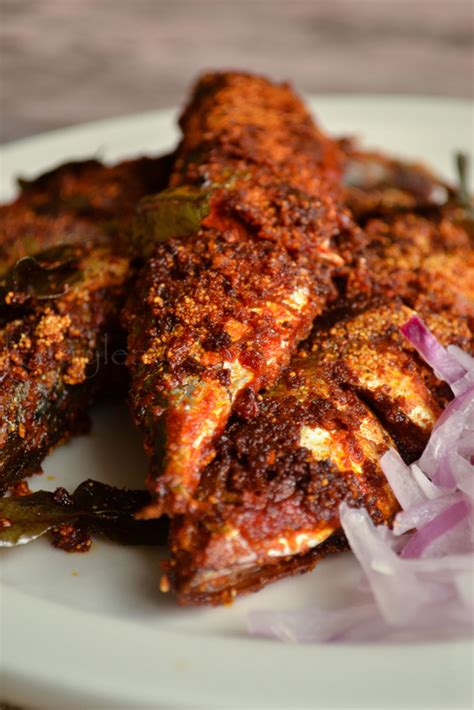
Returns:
(93, 631)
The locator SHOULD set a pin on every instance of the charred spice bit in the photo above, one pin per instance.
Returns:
(62, 497)
(71, 537)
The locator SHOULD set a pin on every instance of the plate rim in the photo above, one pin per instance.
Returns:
(183, 666)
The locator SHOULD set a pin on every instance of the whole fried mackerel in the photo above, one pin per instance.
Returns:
(250, 234)
(63, 277)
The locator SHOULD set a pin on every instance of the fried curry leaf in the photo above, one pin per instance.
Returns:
(25, 518)
(101, 508)
(113, 510)
(42, 277)
(175, 212)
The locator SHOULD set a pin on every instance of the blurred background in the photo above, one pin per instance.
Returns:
(69, 61)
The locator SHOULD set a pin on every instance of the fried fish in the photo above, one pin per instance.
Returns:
(63, 276)
(268, 502)
(243, 247)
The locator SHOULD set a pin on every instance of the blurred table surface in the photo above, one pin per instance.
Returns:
(69, 61)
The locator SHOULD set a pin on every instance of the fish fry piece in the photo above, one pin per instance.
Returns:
(250, 235)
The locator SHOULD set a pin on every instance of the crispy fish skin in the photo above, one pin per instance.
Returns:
(270, 497)
(52, 348)
(219, 312)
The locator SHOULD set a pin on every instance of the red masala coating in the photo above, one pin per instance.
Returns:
(77, 202)
(427, 261)
(271, 494)
(52, 349)
(267, 497)
(367, 353)
(50, 358)
(219, 312)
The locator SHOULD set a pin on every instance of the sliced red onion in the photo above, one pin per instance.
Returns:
(463, 384)
(444, 570)
(460, 405)
(398, 604)
(444, 476)
(363, 629)
(415, 599)
(310, 625)
(464, 359)
(467, 362)
(431, 490)
(446, 366)
(403, 484)
(448, 431)
(463, 472)
(420, 515)
(457, 540)
(466, 447)
(407, 591)
(439, 525)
